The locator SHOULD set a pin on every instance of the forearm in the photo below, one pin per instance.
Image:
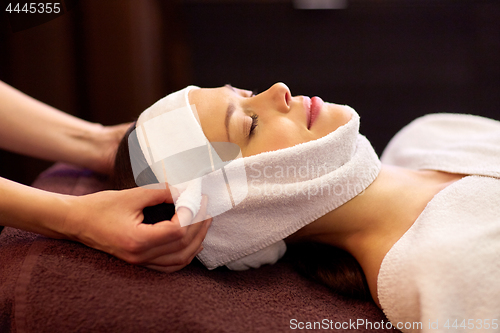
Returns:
(110, 221)
(33, 210)
(33, 128)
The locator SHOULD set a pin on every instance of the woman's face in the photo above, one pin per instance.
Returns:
(271, 120)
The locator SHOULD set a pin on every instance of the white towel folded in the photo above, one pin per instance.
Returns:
(444, 273)
(288, 189)
(455, 143)
(256, 201)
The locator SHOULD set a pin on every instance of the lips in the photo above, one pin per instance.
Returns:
(307, 105)
(316, 105)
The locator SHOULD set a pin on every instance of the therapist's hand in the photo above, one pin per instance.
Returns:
(105, 141)
(111, 221)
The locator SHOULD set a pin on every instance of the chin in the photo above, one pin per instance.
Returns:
(337, 114)
(346, 113)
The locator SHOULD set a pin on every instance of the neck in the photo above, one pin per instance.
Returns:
(371, 223)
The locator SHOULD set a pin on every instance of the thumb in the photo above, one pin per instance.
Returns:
(148, 197)
(183, 216)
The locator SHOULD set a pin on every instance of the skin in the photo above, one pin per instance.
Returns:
(109, 221)
(282, 119)
(368, 225)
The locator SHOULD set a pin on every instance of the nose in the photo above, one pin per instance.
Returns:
(280, 96)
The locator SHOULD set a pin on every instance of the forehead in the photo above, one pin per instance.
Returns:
(208, 98)
(211, 105)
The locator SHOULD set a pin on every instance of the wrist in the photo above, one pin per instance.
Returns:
(34, 210)
(80, 217)
(69, 227)
(51, 220)
(93, 146)
(104, 143)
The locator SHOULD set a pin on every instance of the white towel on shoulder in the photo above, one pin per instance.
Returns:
(456, 143)
(444, 272)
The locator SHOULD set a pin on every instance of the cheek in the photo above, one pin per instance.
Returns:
(284, 141)
(334, 117)
(283, 137)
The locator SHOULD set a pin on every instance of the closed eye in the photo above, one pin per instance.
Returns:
(255, 119)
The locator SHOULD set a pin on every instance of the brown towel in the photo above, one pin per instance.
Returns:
(60, 286)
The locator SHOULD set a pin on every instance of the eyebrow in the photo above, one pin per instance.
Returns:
(229, 113)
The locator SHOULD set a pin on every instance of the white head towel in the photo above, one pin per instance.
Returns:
(169, 142)
(259, 200)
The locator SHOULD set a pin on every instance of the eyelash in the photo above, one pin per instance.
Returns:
(255, 119)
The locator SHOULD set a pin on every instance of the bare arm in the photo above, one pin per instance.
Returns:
(31, 209)
(30, 127)
(110, 221)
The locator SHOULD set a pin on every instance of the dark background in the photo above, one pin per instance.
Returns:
(392, 60)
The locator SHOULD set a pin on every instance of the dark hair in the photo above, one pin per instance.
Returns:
(326, 264)
(123, 177)
(331, 266)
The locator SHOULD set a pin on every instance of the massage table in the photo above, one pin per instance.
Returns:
(49, 285)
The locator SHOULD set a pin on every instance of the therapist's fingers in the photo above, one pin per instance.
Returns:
(192, 237)
(179, 252)
(183, 257)
(174, 261)
(173, 268)
(192, 241)
(170, 233)
(174, 193)
(185, 217)
(148, 197)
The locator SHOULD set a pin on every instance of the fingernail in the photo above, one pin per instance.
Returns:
(184, 215)
(209, 219)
